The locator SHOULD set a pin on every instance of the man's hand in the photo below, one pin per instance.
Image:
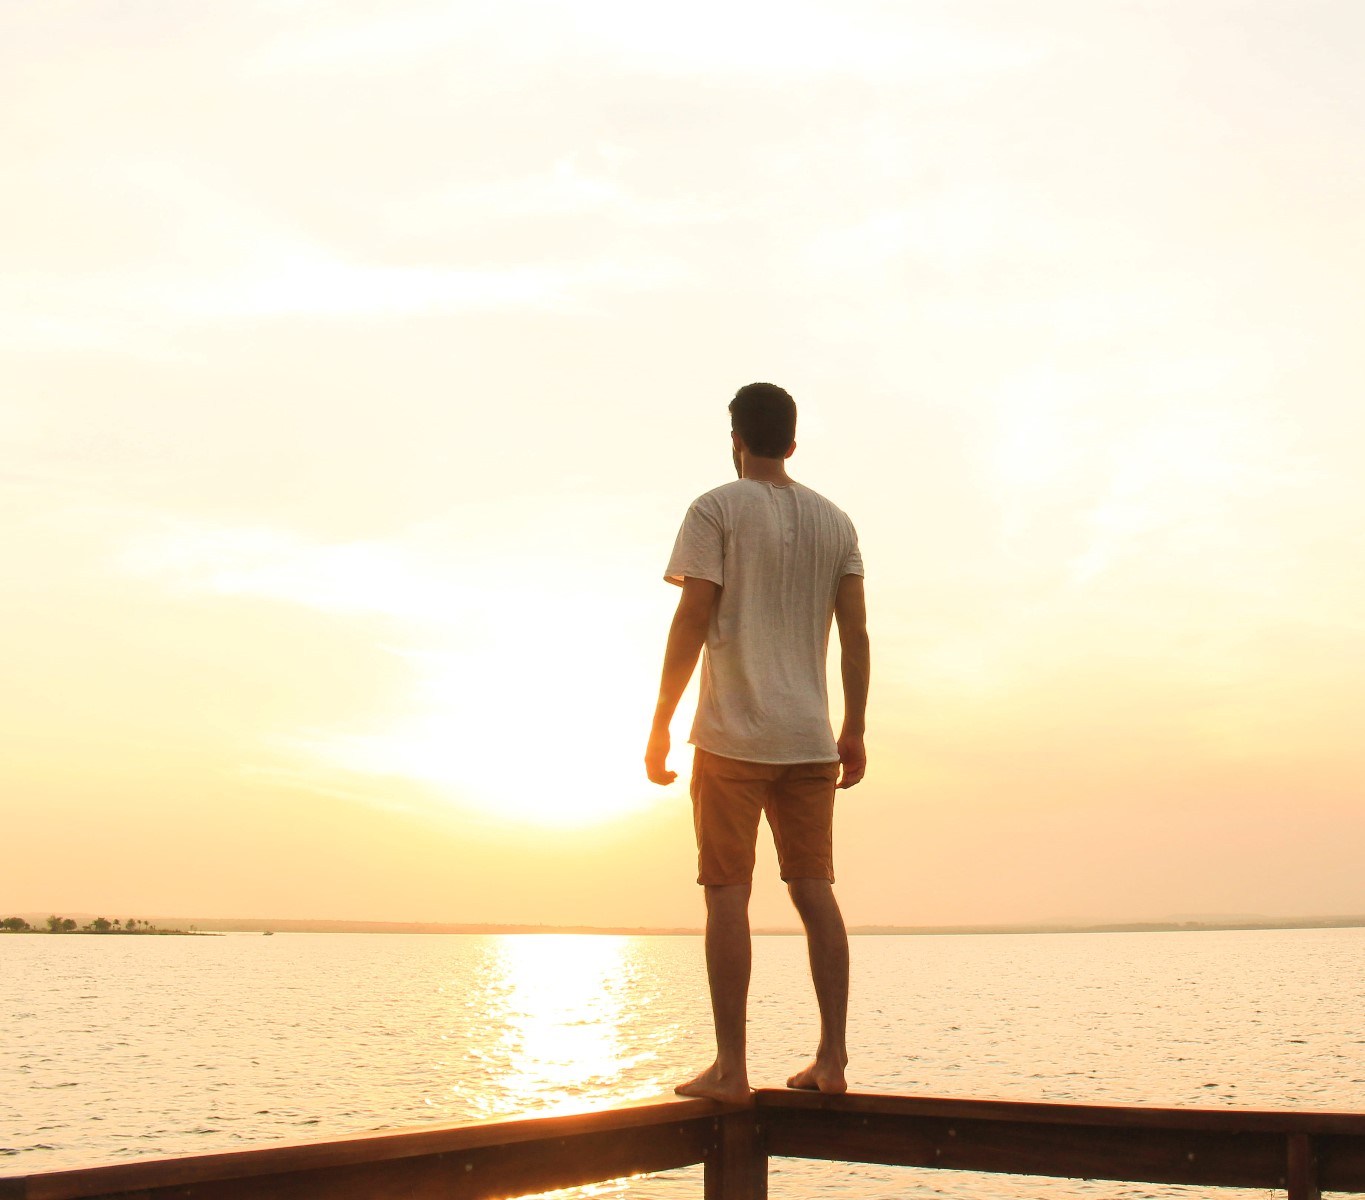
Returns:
(852, 758)
(656, 758)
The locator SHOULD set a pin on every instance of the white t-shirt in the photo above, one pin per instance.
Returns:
(778, 553)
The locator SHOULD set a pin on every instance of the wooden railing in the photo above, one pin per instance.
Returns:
(1303, 1153)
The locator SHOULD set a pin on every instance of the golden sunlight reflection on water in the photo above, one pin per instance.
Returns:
(559, 1004)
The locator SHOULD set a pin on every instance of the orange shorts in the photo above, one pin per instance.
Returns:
(727, 797)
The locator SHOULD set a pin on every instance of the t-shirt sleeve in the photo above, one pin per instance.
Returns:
(853, 564)
(699, 551)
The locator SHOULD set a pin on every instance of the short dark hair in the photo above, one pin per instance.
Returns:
(764, 416)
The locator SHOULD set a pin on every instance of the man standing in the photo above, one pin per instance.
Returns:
(764, 564)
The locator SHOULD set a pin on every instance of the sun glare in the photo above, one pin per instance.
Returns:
(537, 717)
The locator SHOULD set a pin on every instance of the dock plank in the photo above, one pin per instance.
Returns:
(541, 1152)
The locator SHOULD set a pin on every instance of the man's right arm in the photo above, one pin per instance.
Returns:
(686, 636)
(855, 662)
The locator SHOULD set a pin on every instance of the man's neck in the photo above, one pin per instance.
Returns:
(764, 470)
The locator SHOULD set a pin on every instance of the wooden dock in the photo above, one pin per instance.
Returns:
(1301, 1153)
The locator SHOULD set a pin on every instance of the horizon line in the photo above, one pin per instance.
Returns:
(1210, 923)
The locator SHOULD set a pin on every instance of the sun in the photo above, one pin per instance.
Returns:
(537, 714)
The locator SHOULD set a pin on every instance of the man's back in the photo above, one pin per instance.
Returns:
(777, 552)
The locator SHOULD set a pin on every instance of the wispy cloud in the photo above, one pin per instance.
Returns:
(221, 256)
(567, 189)
(449, 573)
(756, 37)
(114, 310)
(358, 578)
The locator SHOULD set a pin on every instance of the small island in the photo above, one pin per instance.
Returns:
(99, 925)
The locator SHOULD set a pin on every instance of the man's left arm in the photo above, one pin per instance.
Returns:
(855, 661)
(686, 637)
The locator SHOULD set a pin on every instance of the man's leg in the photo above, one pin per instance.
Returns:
(728, 958)
(827, 941)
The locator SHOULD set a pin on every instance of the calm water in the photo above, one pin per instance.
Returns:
(119, 1047)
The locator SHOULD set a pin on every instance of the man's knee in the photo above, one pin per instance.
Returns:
(810, 895)
(722, 897)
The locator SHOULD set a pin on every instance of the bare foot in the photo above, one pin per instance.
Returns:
(713, 1084)
(820, 1076)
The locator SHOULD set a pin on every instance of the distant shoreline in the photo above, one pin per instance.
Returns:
(210, 925)
(113, 932)
(1211, 926)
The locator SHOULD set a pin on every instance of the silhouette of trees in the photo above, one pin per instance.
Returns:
(56, 924)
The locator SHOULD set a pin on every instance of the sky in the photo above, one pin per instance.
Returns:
(358, 362)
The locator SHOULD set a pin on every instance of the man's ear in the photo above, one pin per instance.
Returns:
(790, 450)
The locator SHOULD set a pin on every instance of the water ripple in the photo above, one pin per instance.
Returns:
(190, 1045)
